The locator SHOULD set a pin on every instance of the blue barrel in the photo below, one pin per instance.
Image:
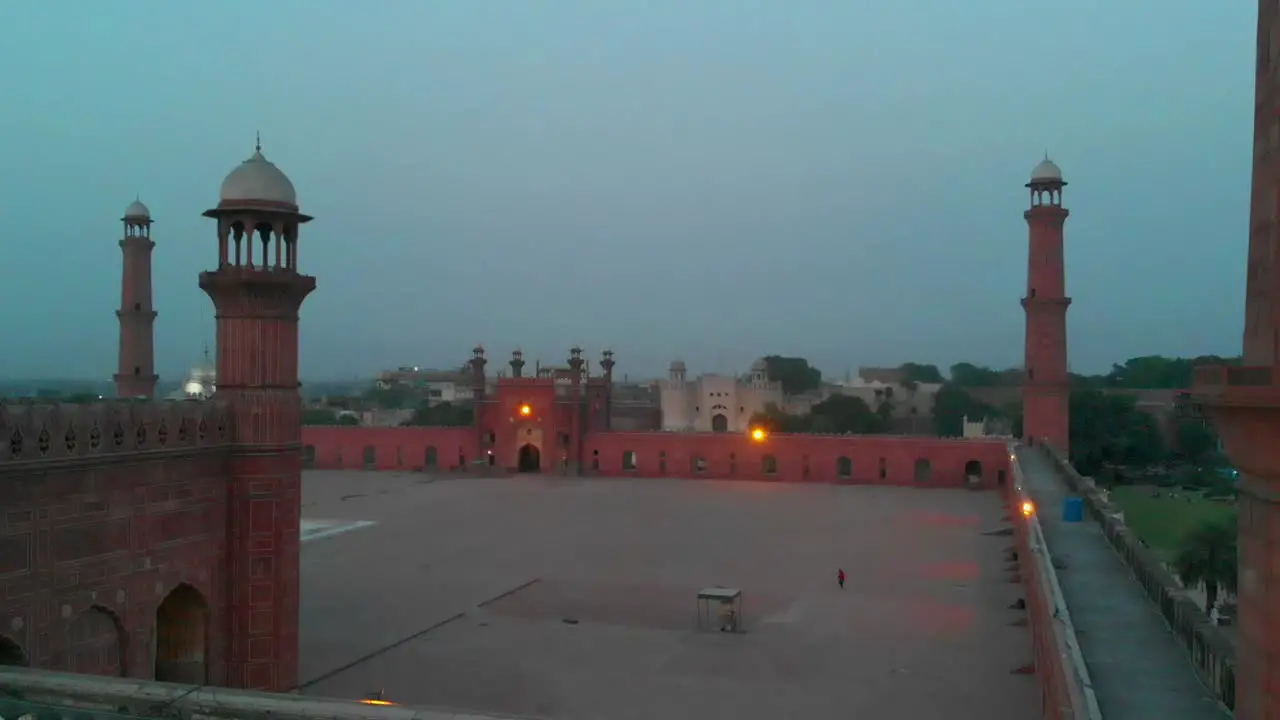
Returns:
(1073, 509)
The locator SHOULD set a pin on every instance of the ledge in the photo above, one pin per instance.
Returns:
(1245, 386)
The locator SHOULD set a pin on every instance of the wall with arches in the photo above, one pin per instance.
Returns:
(93, 539)
(861, 459)
(389, 448)
(854, 459)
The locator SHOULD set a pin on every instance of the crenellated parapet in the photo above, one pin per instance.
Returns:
(36, 432)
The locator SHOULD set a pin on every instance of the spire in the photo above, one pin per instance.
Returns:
(257, 143)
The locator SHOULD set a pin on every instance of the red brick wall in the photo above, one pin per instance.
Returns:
(659, 454)
(89, 548)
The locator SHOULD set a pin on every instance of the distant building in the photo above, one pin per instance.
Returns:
(433, 386)
(716, 403)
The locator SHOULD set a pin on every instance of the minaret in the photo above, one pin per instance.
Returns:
(477, 363)
(136, 371)
(517, 364)
(257, 292)
(606, 364)
(1046, 385)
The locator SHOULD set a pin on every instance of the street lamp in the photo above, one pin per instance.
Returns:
(759, 434)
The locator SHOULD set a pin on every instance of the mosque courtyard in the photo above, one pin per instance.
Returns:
(576, 598)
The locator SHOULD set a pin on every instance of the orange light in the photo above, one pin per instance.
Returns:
(1028, 509)
(526, 410)
(377, 702)
(759, 434)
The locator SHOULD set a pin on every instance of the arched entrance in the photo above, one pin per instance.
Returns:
(182, 637)
(973, 473)
(11, 652)
(530, 458)
(95, 644)
(719, 423)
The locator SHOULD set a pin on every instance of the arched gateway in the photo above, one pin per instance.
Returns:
(530, 459)
(182, 637)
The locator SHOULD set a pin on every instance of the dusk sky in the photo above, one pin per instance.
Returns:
(711, 180)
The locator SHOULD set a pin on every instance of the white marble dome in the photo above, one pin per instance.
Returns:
(1046, 171)
(137, 210)
(258, 180)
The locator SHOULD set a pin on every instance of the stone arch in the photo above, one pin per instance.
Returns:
(95, 643)
(370, 457)
(844, 467)
(973, 472)
(308, 456)
(11, 653)
(430, 458)
(182, 637)
(719, 423)
(923, 471)
(529, 458)
(769, 464)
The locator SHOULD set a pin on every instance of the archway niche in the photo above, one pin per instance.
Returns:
(182, 637)
(973, 473)
(308, 456)
(530, 458)
(844, 467)
(430, 458)
(11, 653)
(719, 423)
(923, 471)
(769, 464)
(96, 643)
(370, 457)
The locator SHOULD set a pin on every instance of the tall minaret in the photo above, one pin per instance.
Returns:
(136, 370)
(1046, 385)
(257, 292)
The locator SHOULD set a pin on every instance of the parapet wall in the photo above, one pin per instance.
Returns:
(1066, 692)
(40, 433)
(53, 694)
(1212, 651)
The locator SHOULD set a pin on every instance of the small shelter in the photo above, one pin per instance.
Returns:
(720, 608)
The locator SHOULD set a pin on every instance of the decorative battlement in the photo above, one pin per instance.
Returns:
(35, 432)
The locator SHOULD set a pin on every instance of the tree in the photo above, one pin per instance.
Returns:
(795, 374)
(1208, 556)
(838, 414)
(1108, 429)
(1149, 372)
(319, 416)
(915, 373)
(1196, 442)
(951, 405)
(966, 374)
(348, 420)
(442, 415)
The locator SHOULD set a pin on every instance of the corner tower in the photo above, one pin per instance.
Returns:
(257, 292)
(1046, 388)
(136, 371)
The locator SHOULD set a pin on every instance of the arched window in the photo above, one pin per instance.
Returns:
(769, 464)
(844, 467)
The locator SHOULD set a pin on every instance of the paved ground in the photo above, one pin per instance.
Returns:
(921, 631)
(1138, 666)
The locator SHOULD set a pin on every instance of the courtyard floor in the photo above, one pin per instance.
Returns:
(454, 593)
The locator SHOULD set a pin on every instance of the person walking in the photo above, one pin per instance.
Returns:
(840, 577)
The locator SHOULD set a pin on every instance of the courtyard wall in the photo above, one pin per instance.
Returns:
(861, 459)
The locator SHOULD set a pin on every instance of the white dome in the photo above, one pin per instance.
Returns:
(759, 365)
(137, 210)
(1046, 171)
(256, 181)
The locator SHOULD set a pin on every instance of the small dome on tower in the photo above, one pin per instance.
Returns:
(258, 181)
(1046, 171)
(760, 366)
(677, 365)
(137, 210)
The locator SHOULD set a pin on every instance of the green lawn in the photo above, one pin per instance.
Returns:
(1162, 521)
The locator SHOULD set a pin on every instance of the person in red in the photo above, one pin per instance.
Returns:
(840, 577)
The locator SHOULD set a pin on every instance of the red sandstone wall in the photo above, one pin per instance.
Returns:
(89, 550)
(874, 459)
(390, 448)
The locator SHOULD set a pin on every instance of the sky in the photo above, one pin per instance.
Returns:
(711, 181)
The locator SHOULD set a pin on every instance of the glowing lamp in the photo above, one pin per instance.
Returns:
(759, 434)
(1028, 508)
(377, 702)
(526, 410)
